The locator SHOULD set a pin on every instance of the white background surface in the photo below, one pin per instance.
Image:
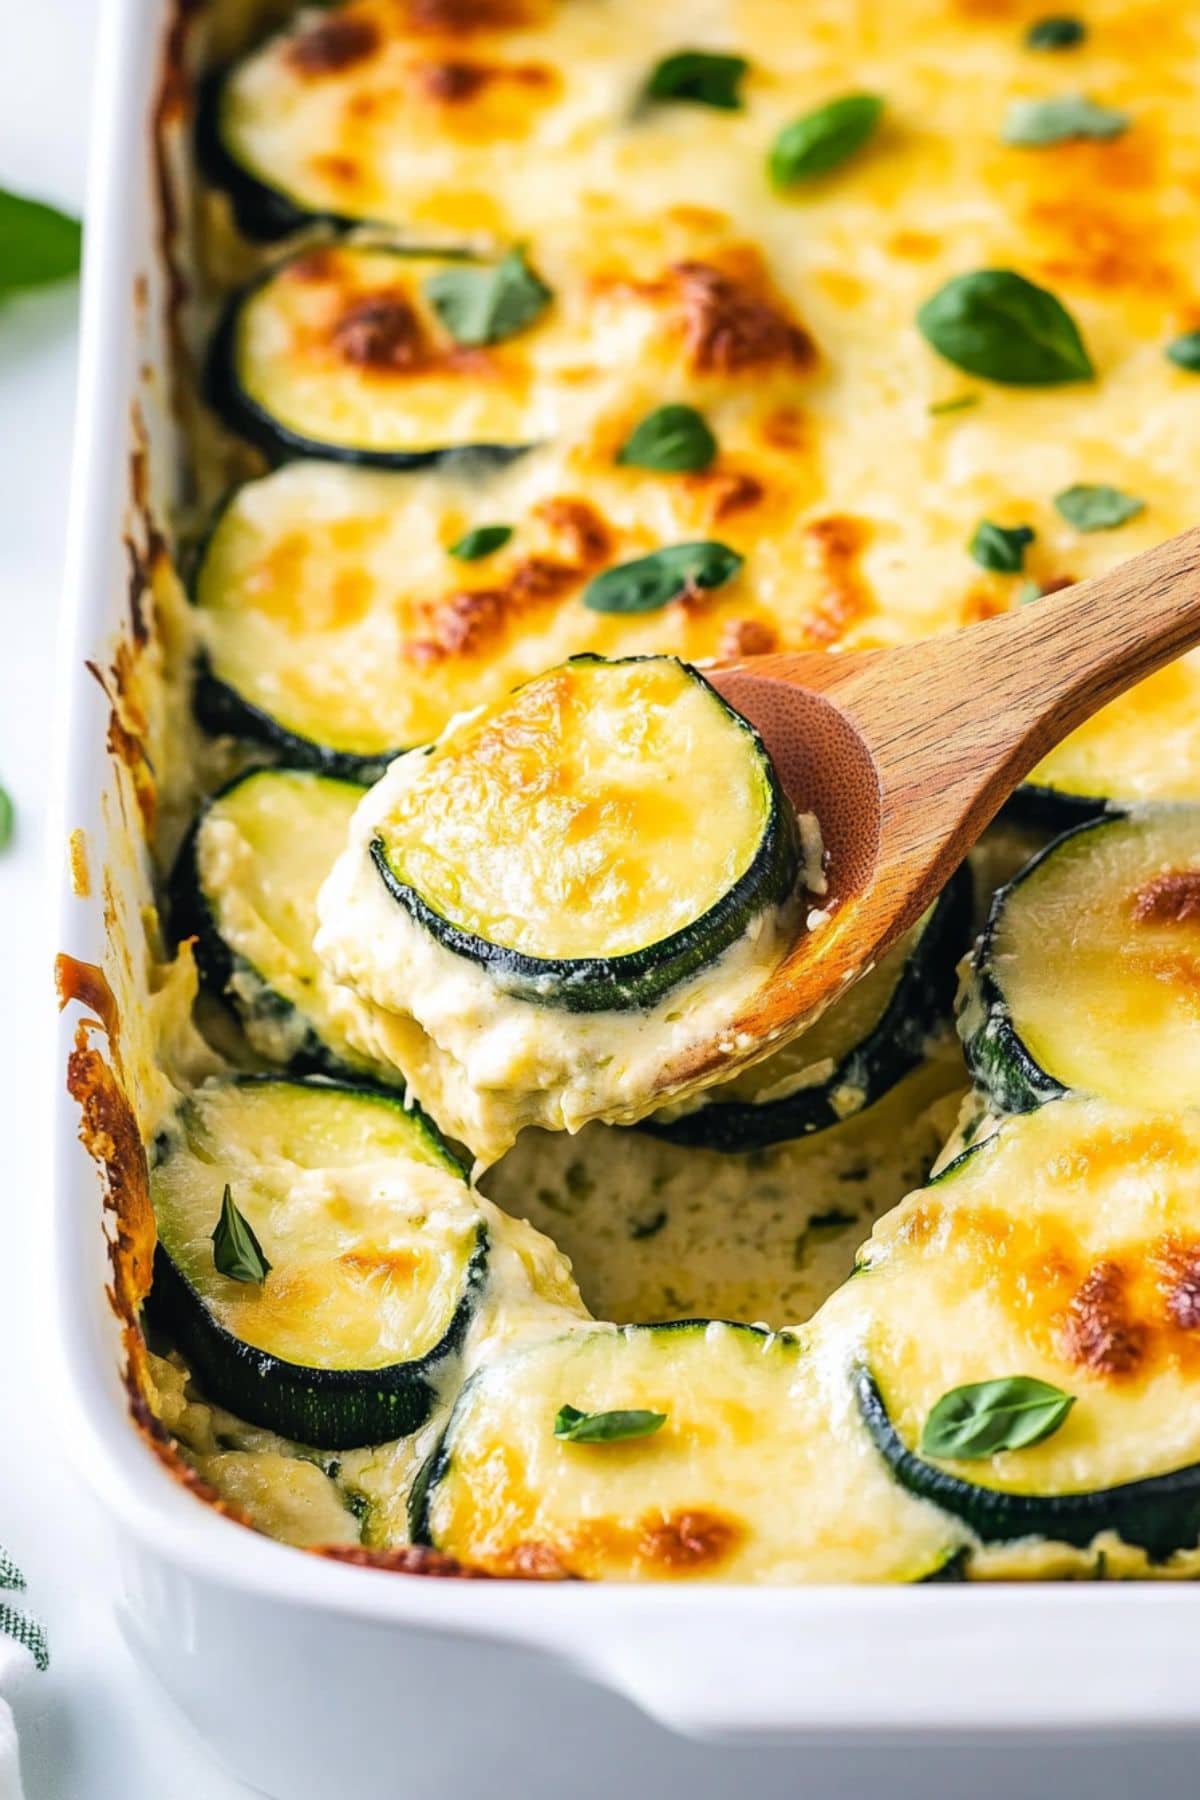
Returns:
(90, 1729)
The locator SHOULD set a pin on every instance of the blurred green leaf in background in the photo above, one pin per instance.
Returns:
(38, 244)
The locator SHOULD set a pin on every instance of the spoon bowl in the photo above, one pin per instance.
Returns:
(906, 755)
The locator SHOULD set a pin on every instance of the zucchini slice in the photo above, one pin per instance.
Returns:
(337, 352)
(748, 1478)
(860, 1048)
(1066, 1247)
(1143, 747)
(245, 887)
(337, 627)
(605, 832)
(1087, 971)
(377, 1249)
(1160, 1515)
(472, 118)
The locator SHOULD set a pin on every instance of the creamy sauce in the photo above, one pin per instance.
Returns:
(485, 1063)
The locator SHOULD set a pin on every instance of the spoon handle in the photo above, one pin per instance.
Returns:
(966, 717)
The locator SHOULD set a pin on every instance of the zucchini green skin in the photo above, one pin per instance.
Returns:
(221, 711)
(189, 916)
(331, 1409)
(262, 213)
(1053, 809)
(224, 393)
(636, 980)
(995, 1054)
(1159, 1515)
(922, 1000)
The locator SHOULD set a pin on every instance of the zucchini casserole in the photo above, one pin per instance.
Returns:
(531, 355)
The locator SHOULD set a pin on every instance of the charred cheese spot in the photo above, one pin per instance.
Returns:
(1098, 1332)
(381, 332)
(462, 18)
(466, 622)
(730, 323)
(728, 491)
(335, 45)
(583, 532)
(685, 1542)
(835, 545)
(1169, 899)
(533, 1562)
(1178, 1265)
(456, 83)
(747, 637)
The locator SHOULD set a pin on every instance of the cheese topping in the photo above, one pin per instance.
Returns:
(484, 1063)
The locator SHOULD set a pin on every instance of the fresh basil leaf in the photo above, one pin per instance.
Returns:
(1000, 548)
(1033, 123)
(994, 323)
(1057, 31)
(672, 438)
(820, 140)
(605, 1427)
(7, 817)
(1096, 507)
(987, 1416)
(236, 1251)
(701, 76)
(650, 582)
(483, 305)
(958, 403)
(1184, 351)
(38, 244)
(480, 542)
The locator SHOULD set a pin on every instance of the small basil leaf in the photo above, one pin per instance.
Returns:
(701, 76)
(1033, 123)
(480, 542)
(1097, 507)
(1057, 31)
(7, 815)
(485, 305)
(653, 581)
(236, 1251)
(994, 323)
(1028, 590)
(605, 1427)
(987, 1416)
(672, 438)
(38, 244)
(820, 140)
(1000, 548)
(1184, 351)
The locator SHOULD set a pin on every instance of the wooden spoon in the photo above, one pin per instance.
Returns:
(906, 755)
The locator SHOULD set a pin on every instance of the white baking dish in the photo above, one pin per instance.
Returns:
(314, 1678)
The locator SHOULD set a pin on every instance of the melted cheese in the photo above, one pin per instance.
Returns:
(342, 345)
(750, 1424)
(594, 813)
(1066, 1248)
(483, 1062)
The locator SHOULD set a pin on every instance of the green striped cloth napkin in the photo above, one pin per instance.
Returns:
(22, 1639)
